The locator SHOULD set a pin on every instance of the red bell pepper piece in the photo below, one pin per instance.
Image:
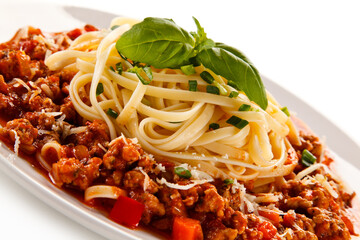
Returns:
(127, 211)
(186, 228)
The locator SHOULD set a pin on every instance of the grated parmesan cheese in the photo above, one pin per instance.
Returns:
(102, 147)
(17, 142)
(324, 182)
(22, 83)
(163, 181)
(160, 167)
(146, 180)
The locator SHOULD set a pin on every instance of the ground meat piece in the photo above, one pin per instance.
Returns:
(172, 200)
(77, 173)
(328, 225)
(235, 219)
(69, 110)
(347, 197)
(294, 220)
(50, 86)
(9, 106)
(14, 64)
(300, 234)
(122, 152)
(259, 229)
(24, 131)
(33, 48)
(153, 207)
(4, 88)
(211, 201)
(39, 103)
(298, 202)
(135, 180)
(96, 133)
(214, 229)
(234, 200)
(191, 196)
(40, 120)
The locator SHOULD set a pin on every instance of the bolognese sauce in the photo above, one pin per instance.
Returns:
(36, 111)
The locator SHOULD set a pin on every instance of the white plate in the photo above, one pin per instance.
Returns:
(21, 172)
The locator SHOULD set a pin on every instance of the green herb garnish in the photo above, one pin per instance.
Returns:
(237, 122)
(214, 126)
(233, 94)
(188, 69)
(182, 172)
(143, 73)
(193, 85)
(244, 107)
(112, 113)
(286, 111)
(99, 89)
(163, 44)
(307, 158)
(119, 68)
(228, 181)
(207, 77)
(222, 90)
(212, 89)
(114, 27)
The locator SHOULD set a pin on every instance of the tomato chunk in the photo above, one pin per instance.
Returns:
(127, 211)
(74, 33)
(186, 228)
(268, 230)
(274, 217)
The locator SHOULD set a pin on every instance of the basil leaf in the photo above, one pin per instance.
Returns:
(158, 42)
(201, 40)
(234, 66)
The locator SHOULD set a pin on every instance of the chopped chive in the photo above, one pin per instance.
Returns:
(286, 111)
(307, 158)
(228, 181)
(212, 89)
(214, 126)
(139, 70)
(237, 122)
(119, 68)
(112, 69)
(223, 90)
(207, 77)
(112, 113)
(193, 85)
(114, 27)
(99, 89)
(182, 172)
(188, 69)
(233, 84)
(233, 94)
(245, 107)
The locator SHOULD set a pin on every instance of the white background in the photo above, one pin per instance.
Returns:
(310, 48)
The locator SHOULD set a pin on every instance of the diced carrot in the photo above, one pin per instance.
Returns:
(186, 228)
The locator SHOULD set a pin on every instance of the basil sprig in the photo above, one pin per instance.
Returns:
(161, 43)
(158, 42)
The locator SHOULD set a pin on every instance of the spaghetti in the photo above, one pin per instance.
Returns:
(172, 122)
